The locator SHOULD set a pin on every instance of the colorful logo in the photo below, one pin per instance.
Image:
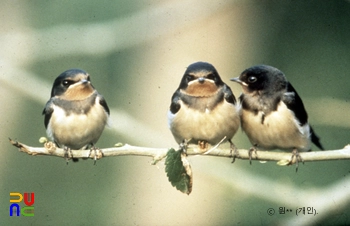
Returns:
(27, 210)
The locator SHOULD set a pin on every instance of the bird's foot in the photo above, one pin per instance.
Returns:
(298, 158)
(184, 145)
(250, 153)
(203, 145)
(233, 151)
(95, 150)
(67, 154)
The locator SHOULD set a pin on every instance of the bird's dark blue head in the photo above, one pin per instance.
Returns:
(201, 75)
(262, 78)
(69, 78)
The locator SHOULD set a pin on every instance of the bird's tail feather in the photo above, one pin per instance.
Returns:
(315, 139)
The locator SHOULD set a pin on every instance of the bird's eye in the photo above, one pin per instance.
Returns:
(252, 79)
(211, 77)
(189, 78)
(67, 83)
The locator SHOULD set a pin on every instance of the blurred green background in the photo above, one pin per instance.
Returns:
(136, 53)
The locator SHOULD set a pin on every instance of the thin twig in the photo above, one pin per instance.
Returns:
(216, 146)
(159, 153)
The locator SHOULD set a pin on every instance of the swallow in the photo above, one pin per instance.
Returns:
(272, 113)
(203, 109)
(76, 114)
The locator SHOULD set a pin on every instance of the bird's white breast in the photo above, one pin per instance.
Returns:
(280, 129)
(77, 130)
(210, 125)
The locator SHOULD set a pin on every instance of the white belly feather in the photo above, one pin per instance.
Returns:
(280, 130)
(211, 126)
(77, 130)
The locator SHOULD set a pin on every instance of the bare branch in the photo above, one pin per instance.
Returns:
(159, 153)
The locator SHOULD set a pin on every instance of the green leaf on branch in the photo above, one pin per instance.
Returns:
(179, 171)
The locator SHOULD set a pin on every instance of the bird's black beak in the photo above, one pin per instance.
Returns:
(201, 80)
(238, 81)
(84, 81)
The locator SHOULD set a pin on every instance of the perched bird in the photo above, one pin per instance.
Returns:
(203, 109)
(272, 113)
(76, 114)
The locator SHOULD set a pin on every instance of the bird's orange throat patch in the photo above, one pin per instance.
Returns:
(201, 89)
(78, 92)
